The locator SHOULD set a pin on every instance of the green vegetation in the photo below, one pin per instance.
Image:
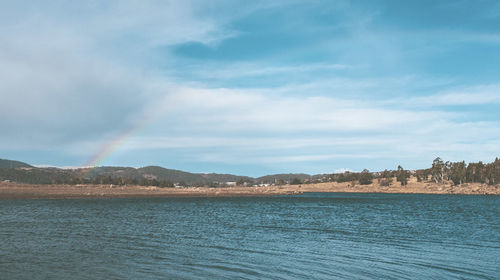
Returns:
(5, 163)
(402, 176)
(345, 177)
(459, 172)
(385, 178)
(295, 181)
(365, 178)
(283, 178)
(440, 172)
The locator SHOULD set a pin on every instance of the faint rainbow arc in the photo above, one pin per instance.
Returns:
(115, 143)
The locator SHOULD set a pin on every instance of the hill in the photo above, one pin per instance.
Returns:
(172, 175)
(130, 175)
(5, 163)
(21, 172)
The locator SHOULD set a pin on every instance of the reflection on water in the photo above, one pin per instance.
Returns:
(321, 236)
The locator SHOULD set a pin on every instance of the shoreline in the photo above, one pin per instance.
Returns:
(32, 191)
(29, 191)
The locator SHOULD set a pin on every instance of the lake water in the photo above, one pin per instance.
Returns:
(314, 236)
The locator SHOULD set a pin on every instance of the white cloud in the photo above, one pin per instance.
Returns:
(73, 71)
(248, 109)
(476, 95)
(250, 143)
(246, 126)
(245, 70)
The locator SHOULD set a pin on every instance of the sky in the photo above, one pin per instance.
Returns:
(250, 87)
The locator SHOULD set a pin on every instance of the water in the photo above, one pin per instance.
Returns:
(315, 236)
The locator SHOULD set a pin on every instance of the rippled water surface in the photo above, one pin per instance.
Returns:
(314, 236)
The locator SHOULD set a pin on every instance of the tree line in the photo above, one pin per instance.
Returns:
(73, 177)
(365, 177)
(460, 172)
(439, 172)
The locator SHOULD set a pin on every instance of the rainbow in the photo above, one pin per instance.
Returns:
(114, 144)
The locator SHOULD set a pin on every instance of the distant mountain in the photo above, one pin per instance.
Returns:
(5, 163)
(172, 175)
(110, 171)
(178, 176)
(148, 172)
(11, 170)
(34, 175)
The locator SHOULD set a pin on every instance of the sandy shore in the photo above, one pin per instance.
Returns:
(412, 187)
(14, 190)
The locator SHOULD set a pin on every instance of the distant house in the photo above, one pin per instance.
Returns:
(231, 184)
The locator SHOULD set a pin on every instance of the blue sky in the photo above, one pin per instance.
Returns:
(250, 87)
